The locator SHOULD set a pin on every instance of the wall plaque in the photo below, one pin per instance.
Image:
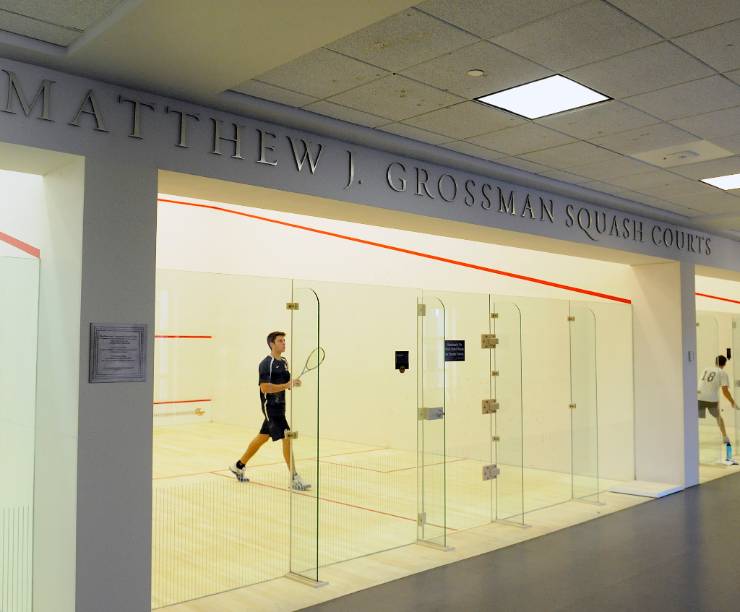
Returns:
(118, 353)
(454, 350)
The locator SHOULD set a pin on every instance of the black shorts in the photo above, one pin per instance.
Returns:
(275, 426)
(713, 408)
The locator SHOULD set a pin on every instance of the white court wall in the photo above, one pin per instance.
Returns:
(211, 241)
(363, 325)
(21, 209)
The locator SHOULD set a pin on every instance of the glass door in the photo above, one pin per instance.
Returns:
(431, 451)
(306, 357)
(508, 441)
(584, 413)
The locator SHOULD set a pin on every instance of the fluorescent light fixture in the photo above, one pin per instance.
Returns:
(729, 181)
(544, 97)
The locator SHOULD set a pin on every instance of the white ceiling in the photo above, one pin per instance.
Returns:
(672, 68)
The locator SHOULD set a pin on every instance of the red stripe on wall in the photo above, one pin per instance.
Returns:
(19, 244)
(716, 297)
(186, 337)
(389, 247)
(192, 401)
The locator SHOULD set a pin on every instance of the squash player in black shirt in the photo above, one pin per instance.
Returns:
(274, 380)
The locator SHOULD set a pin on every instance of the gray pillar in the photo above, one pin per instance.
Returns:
(115, 419)
(666, 427)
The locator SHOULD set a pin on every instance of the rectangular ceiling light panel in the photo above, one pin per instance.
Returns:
(547, 96)
(729, 181)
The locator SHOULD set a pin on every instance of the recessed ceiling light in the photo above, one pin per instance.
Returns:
(729, 181)
(544, 97)
(475, 72)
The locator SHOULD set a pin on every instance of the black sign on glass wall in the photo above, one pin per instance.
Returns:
(454, 350)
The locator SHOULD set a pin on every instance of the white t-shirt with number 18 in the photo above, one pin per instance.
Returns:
(712, 379)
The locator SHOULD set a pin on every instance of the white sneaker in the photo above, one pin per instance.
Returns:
(298, 483)
(240, 473)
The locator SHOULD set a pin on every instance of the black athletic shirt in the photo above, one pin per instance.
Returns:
(273, 371)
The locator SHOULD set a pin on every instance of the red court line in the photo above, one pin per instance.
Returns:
(332, 501)
(455, 262)
(258, 465)
(19, 244)
(367, 469)
(716, 297)
(186, 337)
(192, 401)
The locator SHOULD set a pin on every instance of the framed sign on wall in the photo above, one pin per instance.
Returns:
(118, 352)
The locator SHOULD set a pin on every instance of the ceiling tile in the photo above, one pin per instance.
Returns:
(647, 182)
(503, 70)
(522, 164)
(400, 41)
(610, 189)
(684, 153)
(717, 124)
(473, 150)
(733, 76)
(566, 177)
(276, 94)
(567, 157)
(718, 46)
(687, 99)
(521, 139)
(464, 120)
(729, 142)
(676, 17)
(598, 120)
(39, 30)
(323, 107)
(486, 19)
(686, 188)
(321, 74)
(640, 70)
(612, 167)
(395, 97)
(644, 139)
(78, 14)
(414, 133)
(711, 169)
(580, 35)
(669, 206)
(710, 203)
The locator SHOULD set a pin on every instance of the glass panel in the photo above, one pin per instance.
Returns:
(431, 456)
(545, 398)
(711, 448)
(468, 431)
(735, 387)
(307, 356)
(19, 278)
(367, 501)
(210, 532)
(509, 418)
(584, 405)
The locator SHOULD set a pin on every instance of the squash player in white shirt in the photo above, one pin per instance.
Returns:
(710, 383)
